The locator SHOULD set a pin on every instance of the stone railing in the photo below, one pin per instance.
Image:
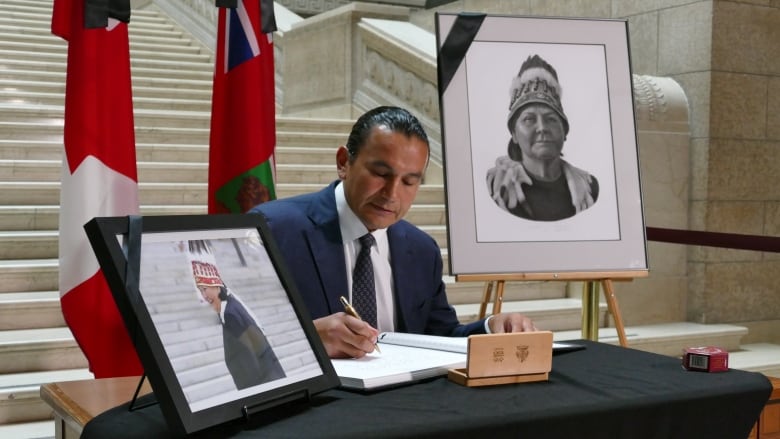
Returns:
(197, 16)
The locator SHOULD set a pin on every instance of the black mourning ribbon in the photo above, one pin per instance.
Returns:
(455, 46)
(97, 12)
(267, 15)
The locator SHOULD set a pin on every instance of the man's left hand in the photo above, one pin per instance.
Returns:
(510, 322)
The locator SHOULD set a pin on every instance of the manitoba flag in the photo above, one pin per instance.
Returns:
(243, 114)
(98, 174)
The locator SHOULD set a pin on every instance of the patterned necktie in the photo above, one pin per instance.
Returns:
(363, 294)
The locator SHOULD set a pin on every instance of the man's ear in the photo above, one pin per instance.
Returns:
(342, 161)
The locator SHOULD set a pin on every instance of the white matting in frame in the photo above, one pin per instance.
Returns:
(591, 59)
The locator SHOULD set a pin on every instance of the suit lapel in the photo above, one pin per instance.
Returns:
(401, 252)
(326, 247)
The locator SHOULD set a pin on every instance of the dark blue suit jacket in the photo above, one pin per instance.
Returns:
(306, 229)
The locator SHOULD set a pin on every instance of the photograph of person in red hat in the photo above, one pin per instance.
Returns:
(248, 355)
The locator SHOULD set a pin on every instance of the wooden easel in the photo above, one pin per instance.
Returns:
(590, 296)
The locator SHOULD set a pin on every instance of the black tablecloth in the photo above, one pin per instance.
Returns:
(601, 392)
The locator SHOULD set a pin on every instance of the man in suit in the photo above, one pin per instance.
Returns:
(380, 170)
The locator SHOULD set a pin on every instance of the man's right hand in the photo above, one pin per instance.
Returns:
(345, 336)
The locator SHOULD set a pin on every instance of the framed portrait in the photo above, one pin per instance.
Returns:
(539, 144)
(218, 324)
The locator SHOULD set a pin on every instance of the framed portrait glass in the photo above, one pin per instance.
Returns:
(218, 324)
(539, 144)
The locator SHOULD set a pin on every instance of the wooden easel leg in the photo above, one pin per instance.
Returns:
(590, 311)
(486, 293)
(499, 297)
(612, 305)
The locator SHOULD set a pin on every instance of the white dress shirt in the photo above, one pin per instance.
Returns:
(352, 229)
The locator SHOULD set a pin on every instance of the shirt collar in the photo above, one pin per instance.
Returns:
(222, 306)
(351, 226)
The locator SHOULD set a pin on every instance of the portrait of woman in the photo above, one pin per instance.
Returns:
(248, 355)
(534, 181)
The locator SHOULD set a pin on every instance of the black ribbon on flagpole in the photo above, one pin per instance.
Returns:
(97, 12)
(267, 15)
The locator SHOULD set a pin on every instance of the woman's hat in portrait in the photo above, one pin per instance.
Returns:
(536, 83)
(206, 274)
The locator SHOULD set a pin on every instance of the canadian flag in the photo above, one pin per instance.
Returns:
(99, 176)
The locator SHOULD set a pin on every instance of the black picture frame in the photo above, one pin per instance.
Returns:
(152, 265)
(479, 60)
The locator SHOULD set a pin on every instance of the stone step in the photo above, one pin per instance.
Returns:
(141, 68)
(24, 275)
(30, 149)
(669, 338)
(41, 14)
(20, 400)
(144, 117)
(306, 173)
(50, 128)
(41, 10)
(156, 172)
(138, 79)
(35, 350)
(290, 131)
(466, 296)
(30, 310)
(56, 55)
(29, 430)
(38, 7)
(55, 49)
(28, 244)
(140, 45)
(39, 90)
(160, 103)
(757, 357)
(307, 155)
(37, 195)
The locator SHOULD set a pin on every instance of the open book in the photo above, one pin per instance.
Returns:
(407, 358)
(404, 358)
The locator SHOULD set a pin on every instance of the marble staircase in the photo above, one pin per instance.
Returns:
(171, 83)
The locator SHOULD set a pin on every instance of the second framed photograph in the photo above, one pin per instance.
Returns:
(539, 138)
(219, 326)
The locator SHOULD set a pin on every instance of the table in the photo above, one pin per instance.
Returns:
(603, 391)
(768, 426)
(76, 402)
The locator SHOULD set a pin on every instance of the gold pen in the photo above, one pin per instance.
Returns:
(351, 311)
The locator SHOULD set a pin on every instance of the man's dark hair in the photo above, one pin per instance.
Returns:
(395, 119)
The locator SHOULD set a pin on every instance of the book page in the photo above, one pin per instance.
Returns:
(451, 344)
